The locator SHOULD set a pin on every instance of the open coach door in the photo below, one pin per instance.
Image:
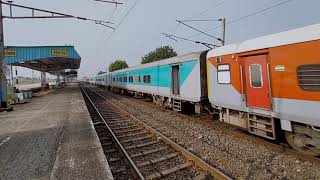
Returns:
(257, 85)
(175, 78)
(175, 87)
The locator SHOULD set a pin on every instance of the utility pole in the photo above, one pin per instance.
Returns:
(50, 15)
(223, 42)
(3, 80)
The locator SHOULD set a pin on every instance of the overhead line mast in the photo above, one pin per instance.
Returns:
(53, 14)
(3, 80)
(50, 15)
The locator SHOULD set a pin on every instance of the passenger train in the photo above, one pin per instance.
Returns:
(269, 86)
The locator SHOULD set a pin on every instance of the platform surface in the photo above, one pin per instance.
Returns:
(51, 138)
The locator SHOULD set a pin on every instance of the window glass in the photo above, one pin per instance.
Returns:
(137, 78)
(255, 76)
(147, 79)
(130, 79)
(224, 74)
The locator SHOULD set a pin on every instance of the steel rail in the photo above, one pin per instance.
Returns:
(214, 172)
(131, 163)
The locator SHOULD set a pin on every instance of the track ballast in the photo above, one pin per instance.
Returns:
(136, 151)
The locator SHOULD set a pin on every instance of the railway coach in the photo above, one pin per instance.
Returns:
(270, 85)
(173, 82)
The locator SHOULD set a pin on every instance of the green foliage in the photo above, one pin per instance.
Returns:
(160, 53)
(117, 64)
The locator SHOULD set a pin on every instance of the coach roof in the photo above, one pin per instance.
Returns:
(172, 60)
(308, 33)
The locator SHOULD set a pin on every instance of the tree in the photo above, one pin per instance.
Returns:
(117, 64)
(160, 53)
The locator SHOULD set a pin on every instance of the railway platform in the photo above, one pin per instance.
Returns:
(52, 137)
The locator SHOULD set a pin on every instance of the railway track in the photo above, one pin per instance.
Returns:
(118, 164)
(236, 131)
(134, 150)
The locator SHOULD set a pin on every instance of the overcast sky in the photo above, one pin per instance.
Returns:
(141, 31)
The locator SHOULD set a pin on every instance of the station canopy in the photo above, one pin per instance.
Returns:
(49, 59)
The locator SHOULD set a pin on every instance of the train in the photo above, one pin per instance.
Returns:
(269, 86)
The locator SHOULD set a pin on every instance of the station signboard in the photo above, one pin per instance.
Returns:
(10, 53)
(59, 53)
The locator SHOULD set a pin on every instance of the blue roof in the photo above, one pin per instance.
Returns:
(44, 58)
(33, 53)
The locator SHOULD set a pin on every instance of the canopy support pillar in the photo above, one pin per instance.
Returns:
(43, 79)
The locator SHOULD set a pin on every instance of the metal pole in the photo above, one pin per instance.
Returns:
(32, 76)
(223, 31)
(3, 80)
(17, 81)
(11, 75)
(43, 79)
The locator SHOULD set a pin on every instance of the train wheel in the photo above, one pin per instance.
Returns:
(306, 141)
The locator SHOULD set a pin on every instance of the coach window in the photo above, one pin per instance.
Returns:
(224, 74)
(309, 77)
(113, 79)
(125, 79)
(137, 78)
(255, 75)
(130, 79)
(147, 79)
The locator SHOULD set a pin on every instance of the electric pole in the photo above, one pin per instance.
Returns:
(223, 42)
(50, 15)
(3, 80)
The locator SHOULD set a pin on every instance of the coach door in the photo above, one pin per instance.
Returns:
(175, 79)
(257, 82)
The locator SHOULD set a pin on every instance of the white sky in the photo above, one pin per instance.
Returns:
(141, 30)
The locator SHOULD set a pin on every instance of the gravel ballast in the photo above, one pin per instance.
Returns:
(239, 157)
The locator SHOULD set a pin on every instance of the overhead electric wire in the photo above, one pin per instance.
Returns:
(127, 14)
(219, 39)
(257, 12)
(113, 11)
(200, 20)
(190, 40)
(53, 15)
(210, 8)
(112, 2)
(246, 16)
(124, 18)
